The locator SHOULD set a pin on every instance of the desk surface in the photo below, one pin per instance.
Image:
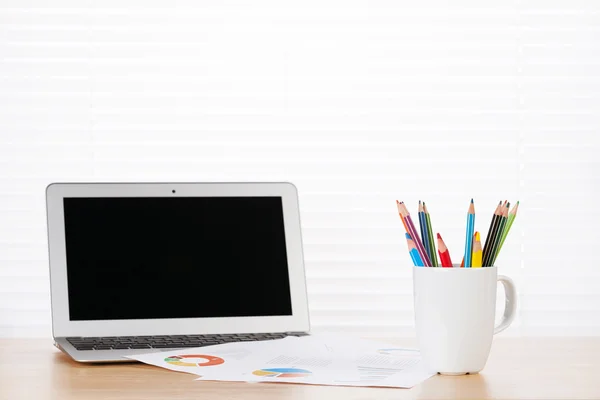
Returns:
(531, 368)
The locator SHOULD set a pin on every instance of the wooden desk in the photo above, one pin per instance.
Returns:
(547, 368)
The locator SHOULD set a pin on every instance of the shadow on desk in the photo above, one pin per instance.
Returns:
(459, 387)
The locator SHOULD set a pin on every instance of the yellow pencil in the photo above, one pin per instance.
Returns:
(477, 253)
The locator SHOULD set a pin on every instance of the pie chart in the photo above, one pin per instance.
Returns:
(206, 361)
(282, 372)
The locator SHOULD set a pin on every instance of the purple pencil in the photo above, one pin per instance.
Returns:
(413, 233)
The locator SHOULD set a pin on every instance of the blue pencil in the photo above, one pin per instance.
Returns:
(414, 253)
(469, 236)
(424, 229)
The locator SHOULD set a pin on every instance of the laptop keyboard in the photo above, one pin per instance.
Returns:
(170, 341)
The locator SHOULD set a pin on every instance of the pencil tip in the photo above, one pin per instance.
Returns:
(408, 235)
(438, 236)
(471, 200)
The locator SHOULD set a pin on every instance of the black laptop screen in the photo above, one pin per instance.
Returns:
(176, 257)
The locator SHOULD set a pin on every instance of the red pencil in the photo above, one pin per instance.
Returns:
(443, 252)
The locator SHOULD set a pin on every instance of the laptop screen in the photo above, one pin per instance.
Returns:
(176, 257)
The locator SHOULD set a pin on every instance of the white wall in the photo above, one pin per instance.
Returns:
(359, 103)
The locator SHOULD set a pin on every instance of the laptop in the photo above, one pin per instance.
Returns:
(145, 267)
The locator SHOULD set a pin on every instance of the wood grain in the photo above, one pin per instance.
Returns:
(531, 368)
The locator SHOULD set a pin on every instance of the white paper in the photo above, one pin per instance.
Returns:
(201, 360)
(317, 359)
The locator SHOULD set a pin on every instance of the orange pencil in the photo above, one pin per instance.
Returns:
(401, 217)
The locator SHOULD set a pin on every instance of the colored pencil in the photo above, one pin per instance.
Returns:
(511, 218)
(413, 234)
(477, 253)
(489, 240)
(401, 217)
(501, 229)
(469, 235)
(424, 233)
(488, 260)
(444, 253)
(432, 255)
(495, 216)
(414, 253)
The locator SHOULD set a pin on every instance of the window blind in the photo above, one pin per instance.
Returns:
(359, 103)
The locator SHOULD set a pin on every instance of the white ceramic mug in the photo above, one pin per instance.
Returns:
(454, 314)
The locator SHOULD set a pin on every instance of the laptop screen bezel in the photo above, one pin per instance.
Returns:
(62, 326)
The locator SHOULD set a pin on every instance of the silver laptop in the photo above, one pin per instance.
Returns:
(144, 267)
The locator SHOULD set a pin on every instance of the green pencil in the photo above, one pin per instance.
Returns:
(433, 254)
(511, 218)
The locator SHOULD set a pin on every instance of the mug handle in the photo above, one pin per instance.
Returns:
(510, 303)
